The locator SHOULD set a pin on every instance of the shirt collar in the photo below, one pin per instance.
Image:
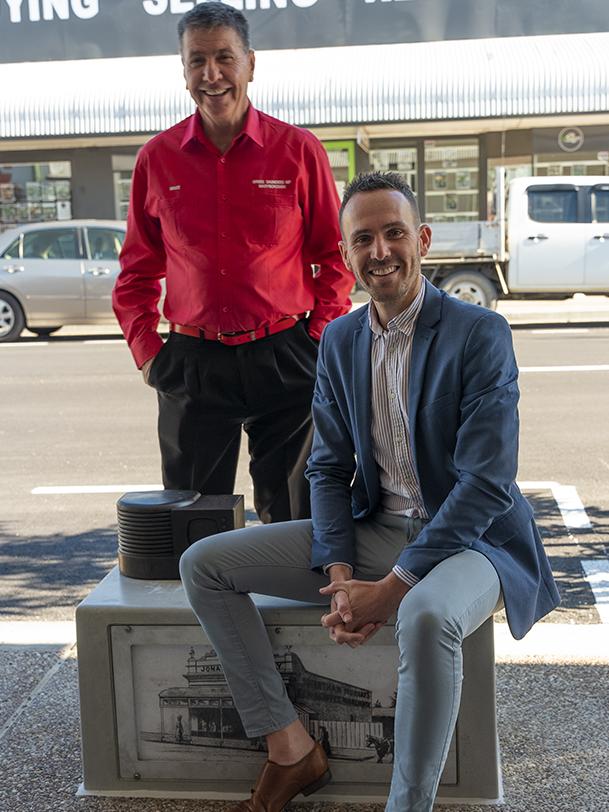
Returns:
(404, 321)
(195, 131)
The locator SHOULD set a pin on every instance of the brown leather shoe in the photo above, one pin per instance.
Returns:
(278, 784)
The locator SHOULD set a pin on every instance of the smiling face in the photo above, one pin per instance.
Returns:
(383, 244)
(217, 69)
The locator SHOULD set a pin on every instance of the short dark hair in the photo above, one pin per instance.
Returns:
(372, 182)
(214, 15)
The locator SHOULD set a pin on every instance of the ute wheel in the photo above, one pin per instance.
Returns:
(43, 332)
(471, 287)
(12, 320)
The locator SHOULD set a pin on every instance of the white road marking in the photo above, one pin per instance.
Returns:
(560, 330)
(580, 368)
(570, 505)
(596, 572)
(69, 489)
(562, 642)
(24, 344)
(97, 341)
(537, 485)
(102, 343)
(37, 633)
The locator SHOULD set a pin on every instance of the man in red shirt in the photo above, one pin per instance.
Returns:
(232, 208)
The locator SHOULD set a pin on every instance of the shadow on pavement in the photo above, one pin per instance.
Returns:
(53, 572)
(566, 547)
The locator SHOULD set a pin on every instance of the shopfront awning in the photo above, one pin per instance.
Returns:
(439, 81)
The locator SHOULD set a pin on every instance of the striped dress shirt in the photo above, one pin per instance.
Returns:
(391, 447)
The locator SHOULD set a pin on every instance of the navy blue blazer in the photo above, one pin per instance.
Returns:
(463, 418)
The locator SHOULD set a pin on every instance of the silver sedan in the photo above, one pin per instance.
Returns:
(58, 273)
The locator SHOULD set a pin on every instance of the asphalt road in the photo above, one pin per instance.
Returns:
(75, 412)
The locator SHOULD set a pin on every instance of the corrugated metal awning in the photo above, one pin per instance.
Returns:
(498, 78)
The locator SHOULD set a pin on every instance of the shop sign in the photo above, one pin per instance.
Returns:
(555, 140)
(40, 30)
(570, 139)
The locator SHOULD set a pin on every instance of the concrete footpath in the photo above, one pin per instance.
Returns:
(578, 309)
(552, 692)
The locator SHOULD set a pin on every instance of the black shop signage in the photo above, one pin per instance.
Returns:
(36, 30)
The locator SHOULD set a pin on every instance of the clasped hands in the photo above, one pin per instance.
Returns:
(358, 609)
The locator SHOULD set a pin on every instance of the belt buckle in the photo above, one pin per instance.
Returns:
(252, 335)
(220, 337)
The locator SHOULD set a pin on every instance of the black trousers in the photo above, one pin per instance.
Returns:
(208, 391)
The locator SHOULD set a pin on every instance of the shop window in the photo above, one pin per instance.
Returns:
(122, 193)
(556, 165)
(122, 171)
(552, 205)
(600, 205)
(402, 160)
(341, 155)
(32, 193)
(451, 180)
(52, 243)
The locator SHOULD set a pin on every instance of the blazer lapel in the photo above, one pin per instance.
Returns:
(362, 392)
(424, 335)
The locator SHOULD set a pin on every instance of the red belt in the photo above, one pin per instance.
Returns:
(232, 339)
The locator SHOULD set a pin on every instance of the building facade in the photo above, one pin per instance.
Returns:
(446, 114)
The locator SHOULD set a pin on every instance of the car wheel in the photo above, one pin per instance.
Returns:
(42, 332)
(471, 287)
(12, 320)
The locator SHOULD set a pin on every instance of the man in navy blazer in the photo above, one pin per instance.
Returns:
(415, 509)
(463, 426)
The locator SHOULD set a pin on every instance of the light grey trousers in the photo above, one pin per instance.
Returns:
(434, 617)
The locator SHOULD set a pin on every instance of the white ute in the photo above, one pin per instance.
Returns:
(549, 242)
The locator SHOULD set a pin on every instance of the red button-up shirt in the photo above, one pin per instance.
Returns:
(234, 234)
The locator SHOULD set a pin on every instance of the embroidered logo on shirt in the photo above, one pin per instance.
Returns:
(271, 184)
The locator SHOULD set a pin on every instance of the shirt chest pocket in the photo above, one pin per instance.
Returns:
(274, 215)
(183, 221)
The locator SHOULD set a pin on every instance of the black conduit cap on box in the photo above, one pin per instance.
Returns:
(145, 532)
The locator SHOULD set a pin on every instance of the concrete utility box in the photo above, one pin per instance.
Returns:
(158, 718)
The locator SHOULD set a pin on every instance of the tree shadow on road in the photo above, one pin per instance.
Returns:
(566, 548)
(595, 539)
(52, 573)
